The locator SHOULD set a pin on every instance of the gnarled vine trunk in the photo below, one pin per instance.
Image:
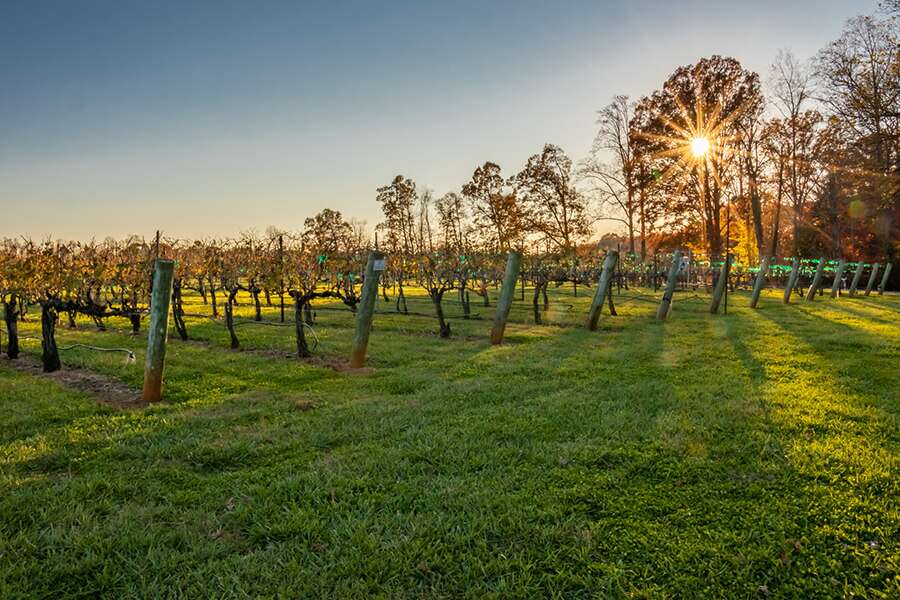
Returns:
(229, 319)
(50, 353)
(178, 310)
(212, 299)
(11, 316)
(534, 303)
(135, 318)
(299, 326)
(254, 292)
(612, 308)
(401, 301)
(437, 297)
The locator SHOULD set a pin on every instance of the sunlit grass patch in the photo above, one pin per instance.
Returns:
(705, 455)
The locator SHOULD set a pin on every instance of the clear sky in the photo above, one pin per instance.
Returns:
(209, 118)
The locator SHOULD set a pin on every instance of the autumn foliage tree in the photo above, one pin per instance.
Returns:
(550, 205)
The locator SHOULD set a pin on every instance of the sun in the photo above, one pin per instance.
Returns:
(699, 147)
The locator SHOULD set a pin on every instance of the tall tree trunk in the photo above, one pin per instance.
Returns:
(756, 210)
(643, 216)
(776, 220)
(630, 220)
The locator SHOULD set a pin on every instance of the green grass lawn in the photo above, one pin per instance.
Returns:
(748, 455)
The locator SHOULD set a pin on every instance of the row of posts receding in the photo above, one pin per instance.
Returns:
(154, 364)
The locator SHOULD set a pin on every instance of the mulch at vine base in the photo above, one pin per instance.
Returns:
(105, 390)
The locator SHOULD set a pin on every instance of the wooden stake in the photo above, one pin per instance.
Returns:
(665, 306)
(721, 285)
(792, 279)
(856, 276)
(872, 277)
(155, 361)
(817, 280)
(603, 288)
(838, 273)
(504, 303)
(366, 308)
(760, 281)
(885, 278)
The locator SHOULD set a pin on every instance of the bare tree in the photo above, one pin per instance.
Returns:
(611, 168)
(397, 201)
(791, 85)
(451, 218)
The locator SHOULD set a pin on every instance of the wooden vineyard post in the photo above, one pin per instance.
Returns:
(817, 280)
(155, 361)
(838, 272)
(721, 284)
(872, 277)
(366, 308)
(856, 276)
(603, 288)
(885, 278)
(504, 303)
(760, 281)
(792, 279)
(665, 304)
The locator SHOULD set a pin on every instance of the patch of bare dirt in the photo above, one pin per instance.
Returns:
(104, 389)
(340, 365)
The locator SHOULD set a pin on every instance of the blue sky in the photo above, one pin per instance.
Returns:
(209, 118)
